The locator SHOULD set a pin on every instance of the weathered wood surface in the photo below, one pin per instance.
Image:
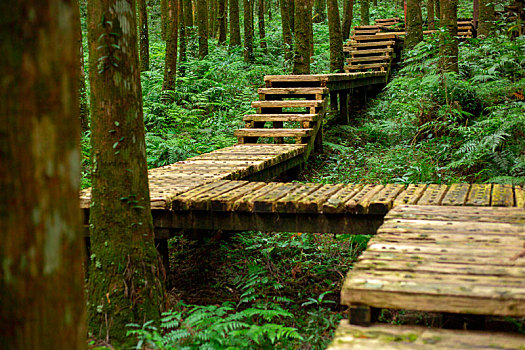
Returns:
(390, 337)
(444, 259)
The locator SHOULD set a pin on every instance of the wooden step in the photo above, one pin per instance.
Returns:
(392, 337)
(273, 132)
(372, 51)
(357, 45)
(288, 103)
(293, 91)
(358, 60)
(376, 37)
(364, 67)
(374, 26)
(281, 117)
(366, 32)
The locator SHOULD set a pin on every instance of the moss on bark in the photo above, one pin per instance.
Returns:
(414, 24)
(303, 22)
(336, 38)
(448, 42)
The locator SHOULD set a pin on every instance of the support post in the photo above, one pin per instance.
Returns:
(343, 107)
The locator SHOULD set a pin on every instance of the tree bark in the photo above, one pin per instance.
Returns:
(212, 18)
(223, 22)
(248, 31)
(202, 23)
(188, 13)
(125, 280)
(430, 15)
(170, 66)
(437, 12)
(348, 14)
(336, 38)
(182, 35)
(163, 21)
(486, 18)
(448, 43)
(144, 37)
(262, 31)
(414, 24)
(235, 27)
(303, 22)
(365, 13)
(287, 31)
(41, 249)
(319, 11)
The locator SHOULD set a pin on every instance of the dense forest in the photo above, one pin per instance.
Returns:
(94, 93)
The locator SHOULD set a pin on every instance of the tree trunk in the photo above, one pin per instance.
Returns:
(163, 21)
(41, 250)
(336, 38)
(82, 88)
(287, 31)
(223, 25)
(303, 20)
(235, 27)
(125, 280)
(188, 13)
(430, 15)
(437, 12)
(291, 14)
(202, 23)
(212, 18)
(414, 24)
(248, 30)
(486, 18)
(182, 35)
(319, 11)
(144, 37)
(262, 31)
(170, 66)
(365, 13)
(348, 14)
(448, 43)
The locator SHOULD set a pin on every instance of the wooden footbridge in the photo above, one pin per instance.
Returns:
(452, 250)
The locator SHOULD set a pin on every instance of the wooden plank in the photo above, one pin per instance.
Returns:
(288, 103)
(410, 195)
(266, 202)
(395, 337)
(383, 201)
(313, 202)
(433, 195)
(245, 203)
(466, 228)
(360, 202)
(519, 195)
(281, 117)
(288, 203)
(202, 201)
(376, 37)
(273, 132)
(479, 195)
(384, 51)
(357, 46)
(225, 201)
(367, 66)
(502, 196)
(293, 91)
(456, 195)
(181, 202)
(358, 60)
(336, 203)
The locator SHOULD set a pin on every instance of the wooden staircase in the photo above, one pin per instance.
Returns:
(466, 28)
(370, 52)
(291, 112)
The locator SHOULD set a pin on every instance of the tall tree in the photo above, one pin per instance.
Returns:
(303, 22)
(41, 250)
(430, 14)
(125, 280)
(248, 30)
(235, 26)
(414, 24)
(188, 13)
(202, 23)
(448, 42)
(212, 17)
(262, 31)
(336, 38)
(182, 35)
(144, 36)
(319, 11)
(287, 31)
(365, 13)
(223, 21)
(170, 66)
(163, 20)
(486, 18)
(437, 12)
(348, 14)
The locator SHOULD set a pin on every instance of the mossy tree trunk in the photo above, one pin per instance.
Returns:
(248, 31)
(348, 14)
(223, 21)
(212, 18)
(182, 35)
(448, 42)
(430, 15)
(303, 22)
(262, 30)
(365, 13)
(202, 23)
(486, 18)
(235, 26)
(125, 279)
(414, 24)
(143, 34)
(319, 11)
(188, 13)
(437, 12)
(163, 21)
(336, 38)
(291, 14)
(41, 251)
(170, 65)
(287, 31)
